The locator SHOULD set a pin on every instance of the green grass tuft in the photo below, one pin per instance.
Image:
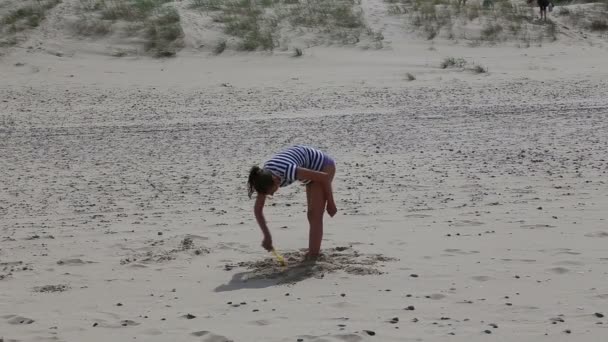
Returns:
(451, 62)
(28, 15)
(220, 47)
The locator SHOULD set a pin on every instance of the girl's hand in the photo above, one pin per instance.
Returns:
(267, 243)
(331, 209)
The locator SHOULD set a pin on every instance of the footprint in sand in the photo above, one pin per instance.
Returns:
(467, 223)
(73, 262)
(569, 263)
(520, 260)
(559, 270)
(260, 322)
(332, 338)
(600, 234)
(436, 296)
(459, 251)
(568, 252)
(482, 278)
(417, 216)
(211, 337)
(152, 332)
(128, 323)
(15, 319)
(343, 305)
(115, 325)
(537, 226)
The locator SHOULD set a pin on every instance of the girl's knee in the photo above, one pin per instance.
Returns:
(315, 214)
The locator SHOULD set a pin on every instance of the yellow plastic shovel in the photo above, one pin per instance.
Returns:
(279, 257)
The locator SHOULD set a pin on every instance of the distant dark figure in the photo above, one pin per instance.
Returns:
(543, 4)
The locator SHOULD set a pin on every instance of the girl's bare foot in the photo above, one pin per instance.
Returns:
(312, 257)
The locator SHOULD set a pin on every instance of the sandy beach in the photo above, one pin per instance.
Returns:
(471, 206)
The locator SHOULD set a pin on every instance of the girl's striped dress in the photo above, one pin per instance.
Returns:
(285, 163)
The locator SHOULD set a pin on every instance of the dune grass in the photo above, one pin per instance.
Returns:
(479, 69)
(27, 15)
(163, 32)
(462, 64)
(451, 62)
(258, 24)
(129, 10)
(480, 22)
(156, 21)
(594, 19)
(220, 46)
(598, 25)
(297, 52)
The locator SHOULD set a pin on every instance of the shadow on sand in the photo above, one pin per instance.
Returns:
(267, 272)
(272, 276)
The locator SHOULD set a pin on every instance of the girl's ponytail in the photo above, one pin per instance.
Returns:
(253, 175)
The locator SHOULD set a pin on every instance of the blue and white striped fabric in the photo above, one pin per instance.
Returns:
(285, 163)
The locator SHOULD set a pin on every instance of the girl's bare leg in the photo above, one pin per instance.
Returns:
(315, 196)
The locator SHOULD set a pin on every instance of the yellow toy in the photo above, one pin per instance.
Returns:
(279, 257)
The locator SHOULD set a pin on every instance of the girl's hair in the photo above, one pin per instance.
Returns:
(260, 180)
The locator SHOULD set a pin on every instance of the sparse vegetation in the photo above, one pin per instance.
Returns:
(396, 9)
(208, 5)
(10, 41)
(431, 31)
(220, 47)
(30, 14)
(592, 18)
(491, 31)
(297, 52)
(478, 69)
(563, 11)
(129, 10)
(155, 20)
(598, 25)
(119, 53)
(258, 24)
(500, 20)
(27, 15)
(257, 39)
(92, 27)
(462, 64)
(551, 29)
(410, 77)
(451, 62)
(377, 37)
(164, 33)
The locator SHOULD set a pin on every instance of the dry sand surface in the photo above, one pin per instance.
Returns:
(472, 207)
